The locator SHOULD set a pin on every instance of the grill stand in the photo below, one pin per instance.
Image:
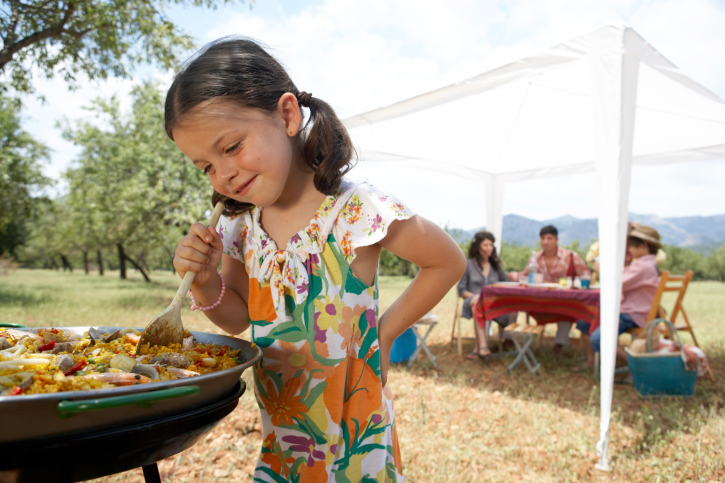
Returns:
(151, 473)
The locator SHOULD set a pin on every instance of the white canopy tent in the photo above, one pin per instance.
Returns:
(599, 102)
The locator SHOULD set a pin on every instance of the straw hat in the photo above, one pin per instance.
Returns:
(648, 234)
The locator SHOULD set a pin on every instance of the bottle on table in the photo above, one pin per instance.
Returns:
(533, 268)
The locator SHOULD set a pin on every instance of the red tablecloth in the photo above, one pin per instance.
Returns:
(544, 305)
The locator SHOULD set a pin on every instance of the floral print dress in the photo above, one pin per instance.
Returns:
(325, 414)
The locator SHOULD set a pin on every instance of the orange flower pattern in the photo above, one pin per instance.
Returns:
(325, 414)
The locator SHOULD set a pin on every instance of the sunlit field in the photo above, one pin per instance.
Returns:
(465, 420)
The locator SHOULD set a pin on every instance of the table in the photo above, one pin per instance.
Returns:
(543, 304)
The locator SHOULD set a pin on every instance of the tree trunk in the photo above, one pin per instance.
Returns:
(54, 264)
(85, 260)
(139, 268)
(142, 262)
(100, 262)
(121, 261)
(66, 263)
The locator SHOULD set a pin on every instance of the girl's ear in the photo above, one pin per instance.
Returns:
(289, 111)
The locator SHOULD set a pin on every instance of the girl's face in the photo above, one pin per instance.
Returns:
(247, 153)
(485, 249)
(638, 251)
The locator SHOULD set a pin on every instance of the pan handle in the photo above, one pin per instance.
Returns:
(68, 409)
(13, 326)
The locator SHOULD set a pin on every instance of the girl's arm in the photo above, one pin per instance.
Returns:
(201, 251)
(232, 314)
(441, 263)
(463, 285)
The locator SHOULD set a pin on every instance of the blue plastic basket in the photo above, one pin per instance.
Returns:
(661, 374)
(403, 347)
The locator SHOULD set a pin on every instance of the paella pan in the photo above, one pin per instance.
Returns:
(102, 382)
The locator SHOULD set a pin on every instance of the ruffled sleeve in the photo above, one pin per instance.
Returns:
(233, 231)
(365, 218)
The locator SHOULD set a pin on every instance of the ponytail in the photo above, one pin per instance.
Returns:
(327, 148)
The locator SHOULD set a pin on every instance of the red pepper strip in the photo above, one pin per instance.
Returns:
(223, 351)
(46, 347)
(15, 391)
(76, 367)
(54, 331)
(201, 349)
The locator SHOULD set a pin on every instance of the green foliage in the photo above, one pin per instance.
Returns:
(679, 260)
(391, 264)
(514, 256)
(90, 37)
(715, 264)
(130, 187)
(20, 177)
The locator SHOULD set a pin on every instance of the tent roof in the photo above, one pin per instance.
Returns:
(535, 117)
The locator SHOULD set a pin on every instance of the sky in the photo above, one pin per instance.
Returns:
(361, 55)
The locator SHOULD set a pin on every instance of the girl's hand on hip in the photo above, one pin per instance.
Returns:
(201, 252)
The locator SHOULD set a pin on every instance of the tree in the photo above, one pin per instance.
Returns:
(136, 185)
(391, 264)
(514, 257)
(21, 179)
(680, 259)
(93, 37)
(50, 241)
(716, 264)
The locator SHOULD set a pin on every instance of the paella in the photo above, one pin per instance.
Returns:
(51, 360)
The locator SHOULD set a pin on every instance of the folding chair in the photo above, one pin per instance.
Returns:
(431, 321)
(524, 336)
(457, 320)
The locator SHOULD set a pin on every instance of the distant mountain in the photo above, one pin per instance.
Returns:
(701, 233)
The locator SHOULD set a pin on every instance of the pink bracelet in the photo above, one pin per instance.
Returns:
(195, 305)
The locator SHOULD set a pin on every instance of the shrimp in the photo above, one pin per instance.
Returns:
(118, 378)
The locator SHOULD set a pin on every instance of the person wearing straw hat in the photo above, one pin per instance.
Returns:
(639, 285)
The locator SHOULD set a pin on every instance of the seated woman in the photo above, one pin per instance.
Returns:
(639, 285)
(482, 268)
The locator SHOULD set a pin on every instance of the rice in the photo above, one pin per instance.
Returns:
(95, 357)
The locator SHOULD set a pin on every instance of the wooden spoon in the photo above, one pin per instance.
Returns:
(166, 328)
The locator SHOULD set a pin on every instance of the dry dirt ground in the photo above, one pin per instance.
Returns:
(473, 421)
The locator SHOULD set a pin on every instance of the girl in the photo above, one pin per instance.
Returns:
(299, 247)
(483, 267)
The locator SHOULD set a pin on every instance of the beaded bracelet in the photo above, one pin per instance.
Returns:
(196, 306)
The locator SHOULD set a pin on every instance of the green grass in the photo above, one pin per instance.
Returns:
(40, 298)
(465, 420)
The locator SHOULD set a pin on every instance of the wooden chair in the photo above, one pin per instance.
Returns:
(457, 320)
(456, 332)
(670, 283)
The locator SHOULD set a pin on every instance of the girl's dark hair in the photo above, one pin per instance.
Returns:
(638, 242)
(240, 70)
(475, 253)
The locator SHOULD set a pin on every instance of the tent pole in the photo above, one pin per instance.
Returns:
(615, 74)
(494, 207)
